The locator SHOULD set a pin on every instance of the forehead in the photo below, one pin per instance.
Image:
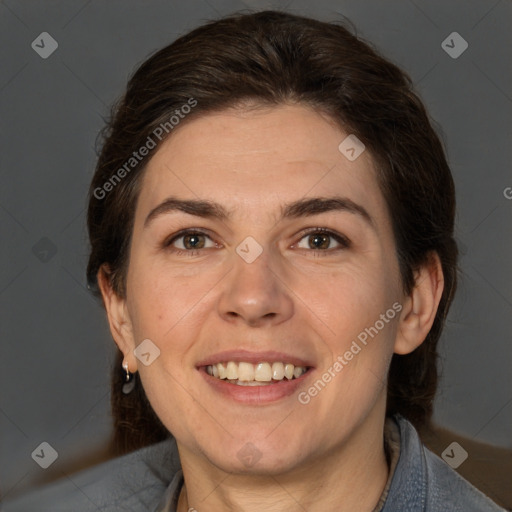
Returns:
(257, 160)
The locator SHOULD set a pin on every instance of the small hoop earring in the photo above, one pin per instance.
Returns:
(129, 381)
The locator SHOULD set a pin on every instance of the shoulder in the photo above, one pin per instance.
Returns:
(134, 482)
(448, 491)
(424, 482)
(487, 467)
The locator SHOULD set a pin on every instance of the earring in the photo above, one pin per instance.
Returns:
(129, 381)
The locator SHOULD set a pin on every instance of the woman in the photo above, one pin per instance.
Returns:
(271, 225)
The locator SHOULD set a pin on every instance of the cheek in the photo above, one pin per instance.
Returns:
(163, 298)
(349, 299)
(360, 354)
(357, 323)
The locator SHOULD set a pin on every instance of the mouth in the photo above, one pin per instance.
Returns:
(261, 374)
(254, 378)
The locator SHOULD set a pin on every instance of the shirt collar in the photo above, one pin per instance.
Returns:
(408, 490)
(169, 501)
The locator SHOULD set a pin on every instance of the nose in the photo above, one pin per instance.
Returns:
(255, 294)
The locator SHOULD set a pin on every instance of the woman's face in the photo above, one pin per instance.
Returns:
(256, 240)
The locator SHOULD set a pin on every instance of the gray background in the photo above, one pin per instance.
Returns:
(55, 345)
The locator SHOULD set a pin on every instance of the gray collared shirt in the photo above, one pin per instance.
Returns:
(150, 479)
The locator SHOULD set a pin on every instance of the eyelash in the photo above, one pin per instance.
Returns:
(342, 240)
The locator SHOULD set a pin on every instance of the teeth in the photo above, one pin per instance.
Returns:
(232, 370)
(278, 371)
(297, 371)
(252, 383)
(247, 374)
(263, 372)
(222, 371)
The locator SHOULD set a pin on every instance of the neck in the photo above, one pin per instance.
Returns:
(351, 477)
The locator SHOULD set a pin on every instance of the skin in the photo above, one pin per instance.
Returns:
(324, 455)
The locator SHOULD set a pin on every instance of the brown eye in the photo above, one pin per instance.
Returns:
(189, 241)
(322, 240)
(195, 241)
(319, 241)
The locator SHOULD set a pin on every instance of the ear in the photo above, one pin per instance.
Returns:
(420, 307)
(118, 317)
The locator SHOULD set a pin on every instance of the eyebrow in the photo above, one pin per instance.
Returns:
(305, 207)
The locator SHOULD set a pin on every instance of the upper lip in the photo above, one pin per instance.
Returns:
(248, 356)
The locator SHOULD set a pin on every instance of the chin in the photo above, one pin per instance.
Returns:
(258, 457)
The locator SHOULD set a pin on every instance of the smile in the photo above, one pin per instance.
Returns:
(260, 374)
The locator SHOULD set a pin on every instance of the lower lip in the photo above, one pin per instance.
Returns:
(255, 395)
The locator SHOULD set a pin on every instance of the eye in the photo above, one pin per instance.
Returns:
(320, 239)
(189, 241)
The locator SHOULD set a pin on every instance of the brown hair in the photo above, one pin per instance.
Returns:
(272, 58)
